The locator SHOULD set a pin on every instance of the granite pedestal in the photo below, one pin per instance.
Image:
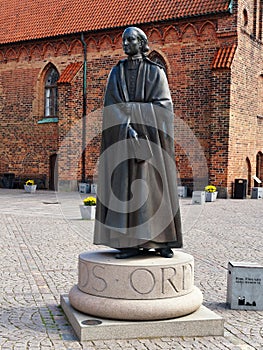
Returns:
(123, 293)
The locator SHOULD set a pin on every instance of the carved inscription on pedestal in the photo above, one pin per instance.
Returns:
(136, 282)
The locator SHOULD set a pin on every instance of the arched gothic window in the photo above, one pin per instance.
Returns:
(51, 93)
(157, 58)
(245, 18)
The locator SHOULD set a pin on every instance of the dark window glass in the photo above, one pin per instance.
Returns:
(51, 93)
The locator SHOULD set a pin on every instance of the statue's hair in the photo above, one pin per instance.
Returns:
(141, 36)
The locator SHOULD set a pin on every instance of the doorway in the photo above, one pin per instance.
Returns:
(248, 176)
(259, 168)
(53, 173)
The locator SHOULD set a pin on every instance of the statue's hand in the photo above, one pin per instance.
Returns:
(132, 133)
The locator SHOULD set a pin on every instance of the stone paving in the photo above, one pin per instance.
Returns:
(42, 235)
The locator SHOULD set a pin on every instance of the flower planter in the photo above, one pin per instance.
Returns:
(88, 211)
(93, 188)
(30, 188)
(182, 191)
(210, 196)
(84, 187)
(198, 197)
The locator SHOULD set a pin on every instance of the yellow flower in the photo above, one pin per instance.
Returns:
(210, 188)
(90, 201)
(30, 182)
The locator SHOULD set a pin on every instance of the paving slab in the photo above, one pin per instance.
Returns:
(42, 235)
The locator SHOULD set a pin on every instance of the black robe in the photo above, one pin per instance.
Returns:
(137, 199)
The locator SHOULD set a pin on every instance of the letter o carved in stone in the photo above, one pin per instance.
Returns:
(142, 281)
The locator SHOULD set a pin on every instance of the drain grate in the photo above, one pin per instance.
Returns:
(51, 202)
(91, 322)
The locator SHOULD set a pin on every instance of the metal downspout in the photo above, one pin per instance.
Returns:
(84, 109)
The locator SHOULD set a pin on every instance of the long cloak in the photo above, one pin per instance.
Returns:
(137, 199)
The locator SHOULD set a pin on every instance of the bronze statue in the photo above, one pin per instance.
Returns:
(137, 205)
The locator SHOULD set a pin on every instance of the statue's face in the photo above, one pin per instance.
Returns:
(131, 43)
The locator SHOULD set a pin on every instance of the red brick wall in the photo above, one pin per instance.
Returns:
(219, 127)
(70, 132)
(212, 107)
(245, 140)
(25, 145)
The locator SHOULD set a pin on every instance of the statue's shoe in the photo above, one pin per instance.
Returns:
(127, 253)
(166, 252)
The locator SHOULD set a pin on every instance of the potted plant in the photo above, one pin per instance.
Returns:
(210, 193)
(88, 209)
(30, 186)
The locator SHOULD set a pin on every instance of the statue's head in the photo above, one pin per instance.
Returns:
(134, 41)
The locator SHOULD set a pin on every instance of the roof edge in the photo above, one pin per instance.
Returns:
(227, 10)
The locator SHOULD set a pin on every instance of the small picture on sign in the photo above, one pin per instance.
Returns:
(242, 301)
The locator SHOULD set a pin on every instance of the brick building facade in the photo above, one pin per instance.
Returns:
(52, 81)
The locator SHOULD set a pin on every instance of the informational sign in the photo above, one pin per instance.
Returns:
(245, 286)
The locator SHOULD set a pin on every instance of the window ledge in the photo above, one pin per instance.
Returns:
(48, 120)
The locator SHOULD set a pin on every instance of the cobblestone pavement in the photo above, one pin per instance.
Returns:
(42, 235)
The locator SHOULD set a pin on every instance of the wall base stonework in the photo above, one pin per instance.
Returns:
(67, 185)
